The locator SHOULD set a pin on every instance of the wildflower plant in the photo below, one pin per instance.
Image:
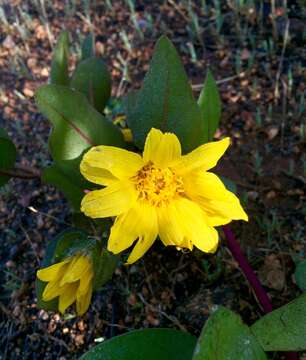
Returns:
(149, 178)
(162, 193)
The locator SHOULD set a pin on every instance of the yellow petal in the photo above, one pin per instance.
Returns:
(186, 244)
(83, 301)
(153, 140)
(227, 209)
(113, 200)
(85, 282)
(120, 163)
(51, 272)
(67, 297)
(214, 219)
(124, 231)
(77, 267)
(195, 227)
(169, 228)
(97, 175)
(204, 157)
(161, 149)
(207, 185)
(143, 245)
(220, 205)
(208, 241)
(140, 222)
(52, 290)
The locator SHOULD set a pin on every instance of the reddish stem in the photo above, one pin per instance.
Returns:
(248, 272)
(237, 253)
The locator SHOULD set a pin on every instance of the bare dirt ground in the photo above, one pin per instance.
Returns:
(255, 52)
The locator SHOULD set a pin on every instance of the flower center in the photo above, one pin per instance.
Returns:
(157, 186)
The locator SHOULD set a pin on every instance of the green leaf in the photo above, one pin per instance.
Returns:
(300, 275)
(105, 263)
(166, 101)
(148, 344)
(76, 125)
(129, 102)
(283, 329)
(92, 78)
(210, 105)
(225, 337)
(7, 155)
(59, 65)
(40, 285)
(88, 46)
(65, 175)
(229, 184)
(65, 244)
(72, 241)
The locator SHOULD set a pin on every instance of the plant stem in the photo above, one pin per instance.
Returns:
(22, 172)
(237, 253)
(249, 273)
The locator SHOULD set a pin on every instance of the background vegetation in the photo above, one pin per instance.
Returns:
(255, 51)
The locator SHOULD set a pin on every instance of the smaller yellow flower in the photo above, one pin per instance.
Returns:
(71, 281)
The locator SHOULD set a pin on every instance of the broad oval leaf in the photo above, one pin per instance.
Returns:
(71, 241)
(283, 329)
(65, 175)
(129, 102)
(7, 156)
(148, 344)
(76, 124)
(59, 66)
(300, 275)
(88, 46)
(166, 101)
(210, 105)
(225, 337)
(105, 263)
(92, 78)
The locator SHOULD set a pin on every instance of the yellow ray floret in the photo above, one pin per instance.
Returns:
(69, 280)
(161, 193)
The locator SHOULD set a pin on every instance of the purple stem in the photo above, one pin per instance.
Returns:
(235, 249)
(248, 272)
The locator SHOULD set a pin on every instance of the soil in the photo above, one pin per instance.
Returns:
(260, 75)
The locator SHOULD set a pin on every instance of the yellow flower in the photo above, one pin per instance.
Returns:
(69, 280)
(160, 193)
